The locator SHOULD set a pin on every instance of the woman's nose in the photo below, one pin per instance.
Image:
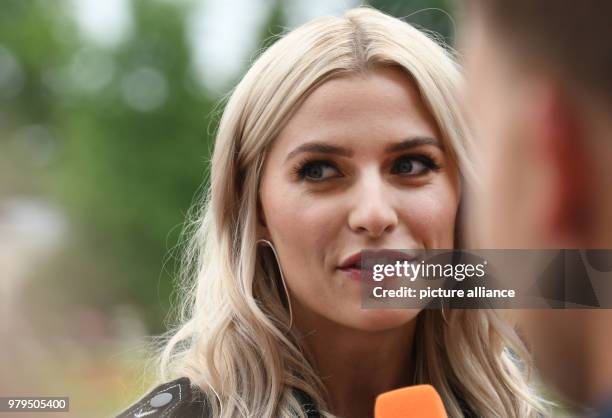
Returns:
(373, 212)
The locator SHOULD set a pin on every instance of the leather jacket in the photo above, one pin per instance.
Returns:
(179, 398)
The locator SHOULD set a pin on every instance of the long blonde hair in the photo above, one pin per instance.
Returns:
(232, 338)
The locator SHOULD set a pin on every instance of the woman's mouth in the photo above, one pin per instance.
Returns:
(354, 266)
(354, 272)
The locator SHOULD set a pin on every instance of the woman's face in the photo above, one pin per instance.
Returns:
(360, 165)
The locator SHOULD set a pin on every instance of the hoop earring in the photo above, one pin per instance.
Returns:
(269, 244)
(442, 311)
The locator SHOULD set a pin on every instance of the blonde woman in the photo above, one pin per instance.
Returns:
(346, 134)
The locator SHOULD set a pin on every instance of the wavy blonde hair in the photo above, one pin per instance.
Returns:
(232, 339)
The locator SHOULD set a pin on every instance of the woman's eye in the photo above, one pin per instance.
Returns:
(413, 165)
(318, 170)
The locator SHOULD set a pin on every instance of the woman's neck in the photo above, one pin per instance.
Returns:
(356, 366)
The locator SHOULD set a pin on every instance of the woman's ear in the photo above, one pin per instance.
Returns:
(262, 227)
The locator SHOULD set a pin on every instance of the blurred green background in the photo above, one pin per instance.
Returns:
(107, 114)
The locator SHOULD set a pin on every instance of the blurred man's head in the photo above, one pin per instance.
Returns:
(540, 81)
(540, 74)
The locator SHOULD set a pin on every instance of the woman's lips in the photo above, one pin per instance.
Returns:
(355, 273)
(354, 266)
(353, 261)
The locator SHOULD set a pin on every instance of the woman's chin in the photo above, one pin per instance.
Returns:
(373, 320)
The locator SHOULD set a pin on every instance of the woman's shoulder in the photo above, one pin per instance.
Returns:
(177, 398)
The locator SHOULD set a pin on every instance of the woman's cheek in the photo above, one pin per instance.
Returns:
(430, 216)
(304, 224)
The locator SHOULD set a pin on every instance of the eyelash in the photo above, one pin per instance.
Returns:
(302, 167)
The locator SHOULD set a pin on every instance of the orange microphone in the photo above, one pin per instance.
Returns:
(421, 401)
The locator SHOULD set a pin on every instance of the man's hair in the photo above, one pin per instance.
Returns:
(573, 35)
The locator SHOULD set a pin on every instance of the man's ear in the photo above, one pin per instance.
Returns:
(564, 151)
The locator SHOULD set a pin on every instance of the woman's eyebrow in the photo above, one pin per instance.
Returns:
(323, 148)
(319, 147)
(413, 142)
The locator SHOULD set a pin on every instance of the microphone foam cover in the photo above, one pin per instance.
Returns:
(420, 401)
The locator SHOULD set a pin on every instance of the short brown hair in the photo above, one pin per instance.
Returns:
(575, 35)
